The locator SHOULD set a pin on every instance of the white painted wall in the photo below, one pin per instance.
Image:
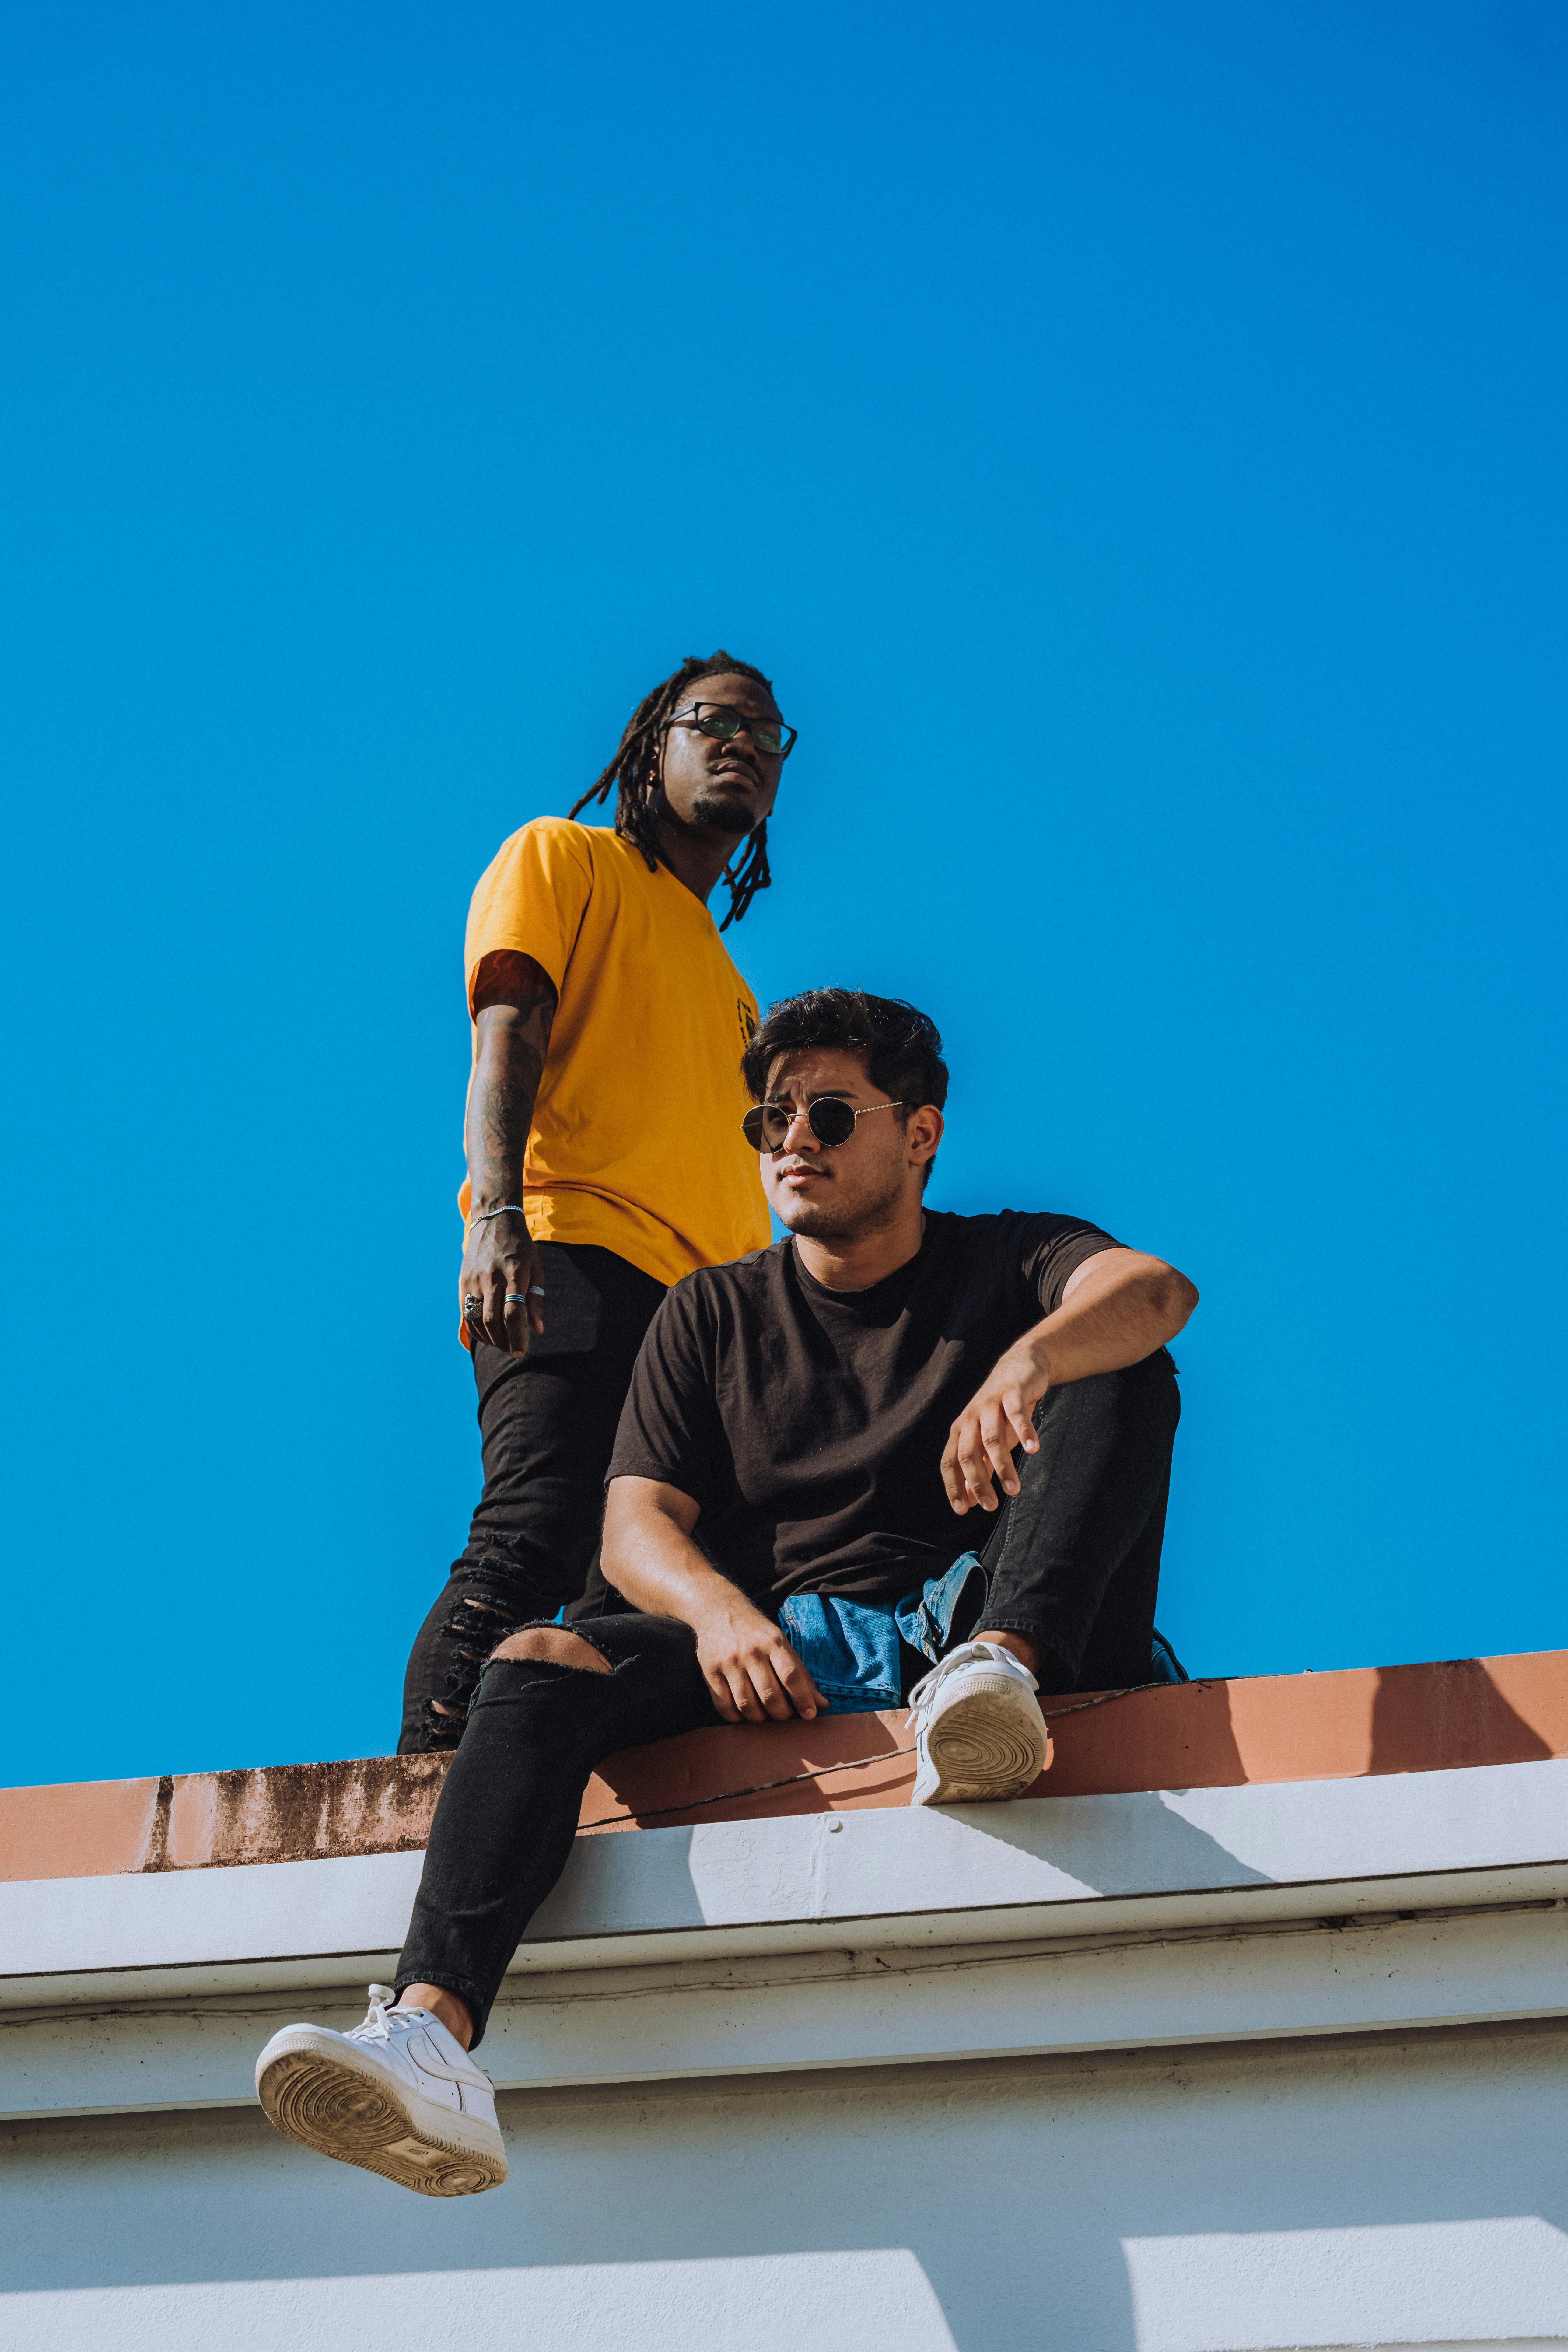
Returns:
(1223, 2071)
(960, 1874)
(1408, 2190)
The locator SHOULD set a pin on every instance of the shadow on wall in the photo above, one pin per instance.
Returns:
(1180, 1736)
(1143, 2203)
(1441, 1717)
(1132, 1845)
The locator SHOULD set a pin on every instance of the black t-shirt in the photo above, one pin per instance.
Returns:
(809, 1424)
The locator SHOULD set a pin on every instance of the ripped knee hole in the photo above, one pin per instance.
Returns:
(555, 1645)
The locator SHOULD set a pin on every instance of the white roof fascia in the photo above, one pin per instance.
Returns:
(1143, 1864)
(848, 2008)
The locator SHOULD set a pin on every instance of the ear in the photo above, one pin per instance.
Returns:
(923, 1134)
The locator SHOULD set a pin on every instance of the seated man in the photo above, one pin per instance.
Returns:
(802, 1427)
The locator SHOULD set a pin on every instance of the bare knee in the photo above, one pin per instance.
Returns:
(556, 1645)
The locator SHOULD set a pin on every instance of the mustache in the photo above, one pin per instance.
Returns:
(733, 759)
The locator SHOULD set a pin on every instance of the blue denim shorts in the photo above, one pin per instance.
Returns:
(852, 1649)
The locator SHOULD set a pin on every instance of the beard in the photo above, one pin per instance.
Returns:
(714, 810)
(832, 1219)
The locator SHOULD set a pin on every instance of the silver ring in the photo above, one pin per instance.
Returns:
(517, 1298)
(472, 1309)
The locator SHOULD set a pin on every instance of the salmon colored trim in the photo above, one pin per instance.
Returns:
(1271, 1727)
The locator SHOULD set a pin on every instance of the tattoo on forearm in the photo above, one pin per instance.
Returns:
(505, 1094)
(514, 1007)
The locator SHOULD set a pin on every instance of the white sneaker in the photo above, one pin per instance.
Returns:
(981, 1732)
(399, 2095)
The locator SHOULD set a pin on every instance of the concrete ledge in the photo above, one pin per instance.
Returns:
(1137, 1863)
(1366, 1723)
(829, 1925)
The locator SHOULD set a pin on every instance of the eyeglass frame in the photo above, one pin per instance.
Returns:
(747, 722)
(899, 1102)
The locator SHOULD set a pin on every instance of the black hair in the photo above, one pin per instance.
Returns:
(634, 774)
(900, 1045)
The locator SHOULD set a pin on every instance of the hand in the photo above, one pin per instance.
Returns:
(750, 1670)
(998, 1417)
(500, 1256)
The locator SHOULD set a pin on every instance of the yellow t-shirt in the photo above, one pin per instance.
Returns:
(636, 1142)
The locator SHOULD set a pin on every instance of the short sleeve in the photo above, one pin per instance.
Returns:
(1051, 1248)
(669, 1427)
(530, 898)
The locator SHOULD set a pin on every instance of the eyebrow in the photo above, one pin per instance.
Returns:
(821, 1094)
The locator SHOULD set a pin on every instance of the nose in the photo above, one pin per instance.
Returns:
(731, 742)
(798, 1135)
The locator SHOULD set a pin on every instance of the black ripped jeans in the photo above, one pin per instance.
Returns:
(547, 1423)
(1073, 1562)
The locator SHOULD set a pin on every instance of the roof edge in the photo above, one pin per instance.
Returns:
(1356, 1723)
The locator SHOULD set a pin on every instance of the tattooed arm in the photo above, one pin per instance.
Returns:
(514, 1004)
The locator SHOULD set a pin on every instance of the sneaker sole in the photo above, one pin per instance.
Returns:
(985, 1747)
(320, 2097)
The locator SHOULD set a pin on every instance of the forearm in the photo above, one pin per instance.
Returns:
(654, 1563)
(1117, 1309)
(513, 1007)
(508, 1065)
(648, 1554)
(1114, 1315)
(514, 1003)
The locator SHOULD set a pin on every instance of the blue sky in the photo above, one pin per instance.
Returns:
(1131, 438)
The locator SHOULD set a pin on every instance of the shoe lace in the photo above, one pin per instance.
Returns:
(968, 1654)
(378, 2026)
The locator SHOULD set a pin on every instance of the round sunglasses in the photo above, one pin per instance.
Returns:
(830, 1119)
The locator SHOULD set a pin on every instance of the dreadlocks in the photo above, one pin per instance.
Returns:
(634, 774)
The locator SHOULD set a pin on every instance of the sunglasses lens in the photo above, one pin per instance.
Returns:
(718, 720)
(832, 1121)
(765, 1127)
(767, 737)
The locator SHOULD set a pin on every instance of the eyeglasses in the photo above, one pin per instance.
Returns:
(830, 1119)
(723, 721)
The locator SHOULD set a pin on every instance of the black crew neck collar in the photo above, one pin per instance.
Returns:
(876, 1290)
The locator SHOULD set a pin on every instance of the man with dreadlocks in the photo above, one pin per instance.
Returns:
(603, 1136)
